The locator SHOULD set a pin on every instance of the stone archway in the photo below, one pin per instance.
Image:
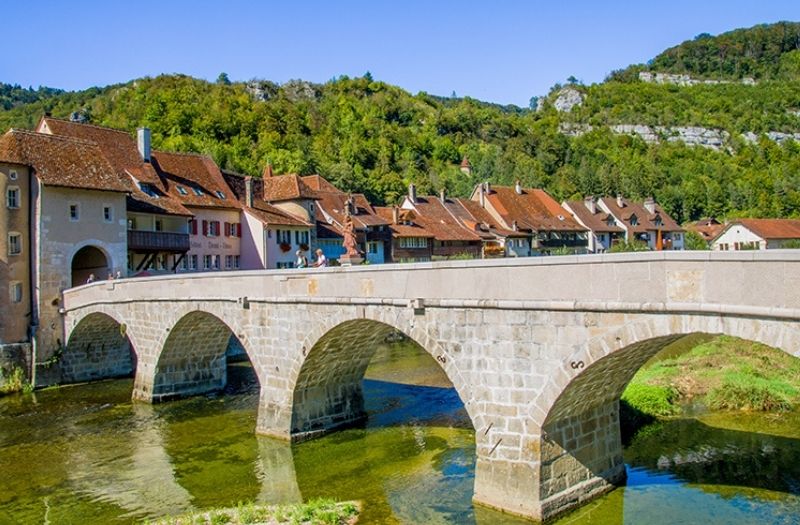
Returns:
(191, 361)
(98, 348)
(89, 261)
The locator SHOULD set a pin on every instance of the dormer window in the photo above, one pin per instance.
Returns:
(220, 195)
(610, 221)
(197, 191)
(657, 221)
(634, 220)
(182, 190)
(148, 189)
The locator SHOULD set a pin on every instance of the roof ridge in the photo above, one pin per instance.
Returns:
(49, 136)
(184, 154)
(106, 128)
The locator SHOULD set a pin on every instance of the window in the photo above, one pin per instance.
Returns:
(206, 262)
(220, 195)
(197, 191)
(193, 226)
(74, 212)
(12, 197)
(108, 214)
(148, 189)
(214, 229)
(14, 243)
(634, 220)
(237, 262)
(284, 265)
(159, 225)
(132, 223)
(283, 236)
(228, 262)
(12, 174)
(413, 242)
(192, 262)
(215, 261)
(185, 263)
(372, 247)
(182, 190)
(15, 291)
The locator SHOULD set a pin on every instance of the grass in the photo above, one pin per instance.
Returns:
(15, 382)
(725, 372)
(318, 511)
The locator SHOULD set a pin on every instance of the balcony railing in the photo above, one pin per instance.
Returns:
(144, 241)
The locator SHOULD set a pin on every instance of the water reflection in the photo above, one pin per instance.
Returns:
(86, 454)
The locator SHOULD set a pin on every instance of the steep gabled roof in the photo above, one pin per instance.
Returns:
(186, 174)
(597, 221)
(270, 215)
(769, 229)
(286, 188)
(708, 228)
(645, 219)
(435, 217)
(484, 222)
(531, 209)
(403, 230)
(121, 151)
(61, 161)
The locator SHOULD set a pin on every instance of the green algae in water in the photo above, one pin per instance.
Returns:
(87, 454)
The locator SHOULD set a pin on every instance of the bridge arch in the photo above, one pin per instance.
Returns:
(326, 386)
(581, 449)
(191, 358)
(99, 347)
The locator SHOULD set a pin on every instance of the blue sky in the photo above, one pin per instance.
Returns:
(501, 51)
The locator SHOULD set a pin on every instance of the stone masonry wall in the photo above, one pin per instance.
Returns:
(96, 350)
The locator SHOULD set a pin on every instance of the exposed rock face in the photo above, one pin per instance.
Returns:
(775, 136)
(690, 135)
(686, 80)
(567, 99)
(261, 90)
(296, 90)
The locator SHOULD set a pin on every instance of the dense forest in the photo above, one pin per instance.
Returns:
(368, 136)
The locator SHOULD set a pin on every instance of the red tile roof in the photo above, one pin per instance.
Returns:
(485, 222)
(61, 161)
(772, 228)
(597, 221)
(436, 218)
(646, 220)
(708, 228)
(533, 209)
(189, 173)
(121, 151)
(270, 215)
(333, 202)
(413, 229)
(286, 188)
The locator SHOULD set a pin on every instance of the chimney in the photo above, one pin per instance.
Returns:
(590, 204)
(620, 202)
(268, 171)
(412, 193)
(395, 215)
(248, 191)
(143, 142)
(487, 187)
(482, 195)
(443, 195)
(514, 226)
(518, 188)
(650, 205)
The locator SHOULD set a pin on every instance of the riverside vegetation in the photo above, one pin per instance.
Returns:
(368, 136)
(718, 373)
(315, 512)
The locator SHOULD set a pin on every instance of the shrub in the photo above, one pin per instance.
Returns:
(651, 400)
(742, 392)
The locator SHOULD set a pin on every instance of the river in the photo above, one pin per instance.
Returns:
(87, 454)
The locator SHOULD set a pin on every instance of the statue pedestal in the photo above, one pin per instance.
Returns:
(350, 260)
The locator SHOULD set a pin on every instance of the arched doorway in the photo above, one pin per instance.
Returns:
(88, 261)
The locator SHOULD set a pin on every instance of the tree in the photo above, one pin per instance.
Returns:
(694, 241)
(223, 79)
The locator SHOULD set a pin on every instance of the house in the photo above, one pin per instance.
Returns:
(758, 234)
(75, 230)
(196, 182)
(157, 223)
(497, 241)
(451, 238)
(547, 225)
(410, 241)
(602, 226)
(270, 235)
(333, 205)
(646, 222)
(708, 228)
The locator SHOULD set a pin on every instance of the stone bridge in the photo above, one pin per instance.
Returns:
(538, 349)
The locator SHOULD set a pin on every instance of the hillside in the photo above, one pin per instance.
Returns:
(622, 135)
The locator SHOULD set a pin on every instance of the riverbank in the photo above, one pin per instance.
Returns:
(720, 373)
(320, 511)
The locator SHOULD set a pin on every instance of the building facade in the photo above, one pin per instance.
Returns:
(646, 222)
(758, 234)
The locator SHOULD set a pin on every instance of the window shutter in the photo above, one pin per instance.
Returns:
(227, 229)
(193, 226)
(238, 229)
(205, 228)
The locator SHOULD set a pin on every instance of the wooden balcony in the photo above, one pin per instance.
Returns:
(149, 242)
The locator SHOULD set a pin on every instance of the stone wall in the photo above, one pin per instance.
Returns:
(97, 349)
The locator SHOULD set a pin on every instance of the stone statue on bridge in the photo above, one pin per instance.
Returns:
(351, 254)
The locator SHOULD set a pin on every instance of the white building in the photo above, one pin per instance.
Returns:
(758, 234)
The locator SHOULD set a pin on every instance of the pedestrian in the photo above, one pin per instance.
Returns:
(302, 261)
(91, 278)
(322, 261)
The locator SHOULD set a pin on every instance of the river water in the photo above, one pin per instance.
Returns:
(86, 454)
